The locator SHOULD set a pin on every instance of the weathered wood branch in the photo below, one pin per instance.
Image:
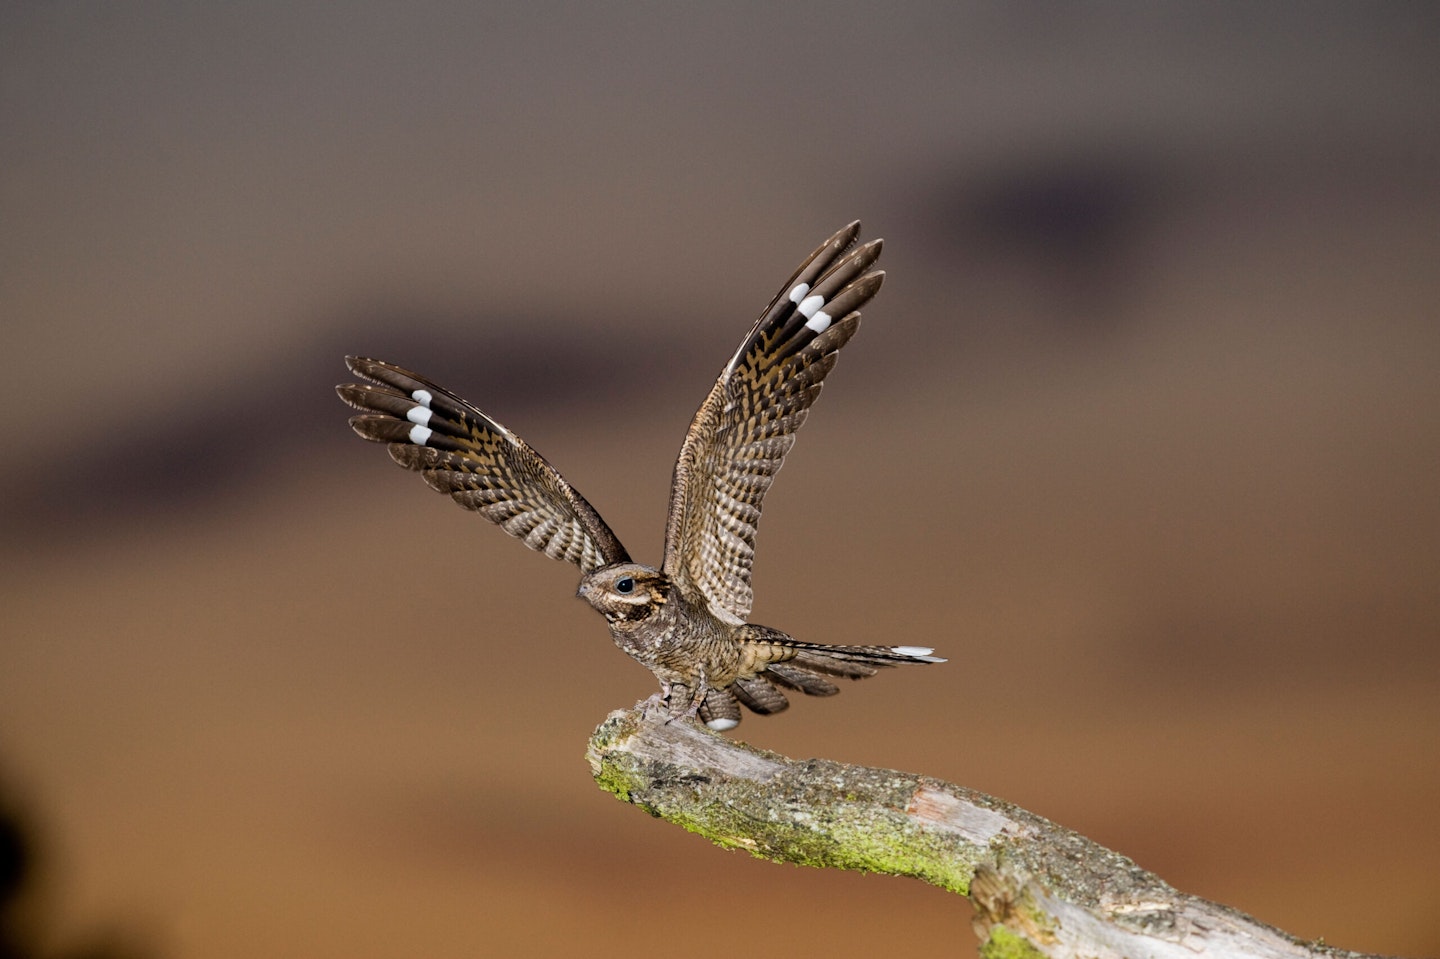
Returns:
(1038, 889)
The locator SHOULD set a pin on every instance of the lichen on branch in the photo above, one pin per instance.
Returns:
(1038, 889)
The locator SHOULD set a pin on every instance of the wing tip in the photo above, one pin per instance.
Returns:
(846, 236)
(376, 427)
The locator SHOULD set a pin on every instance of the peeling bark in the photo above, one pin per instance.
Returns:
(1038, 889)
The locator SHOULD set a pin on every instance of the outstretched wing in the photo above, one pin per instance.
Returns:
(481, 464)
(739, 438)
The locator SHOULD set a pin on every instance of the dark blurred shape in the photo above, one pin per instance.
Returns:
(203, 447)
(1067, 221)
(18, 876)
(15, 866)
(14, 863)
(1070, 210)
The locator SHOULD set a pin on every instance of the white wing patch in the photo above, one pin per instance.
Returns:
(820, 322)
(809, 305)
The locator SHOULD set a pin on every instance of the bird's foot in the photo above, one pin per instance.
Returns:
(679, 700)
(654, 706)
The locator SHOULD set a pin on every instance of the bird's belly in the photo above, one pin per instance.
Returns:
(676, 653)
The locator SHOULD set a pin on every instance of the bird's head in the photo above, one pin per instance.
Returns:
(625, 592)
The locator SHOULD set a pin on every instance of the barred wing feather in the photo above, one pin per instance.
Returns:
(741, 433)
(484, 467)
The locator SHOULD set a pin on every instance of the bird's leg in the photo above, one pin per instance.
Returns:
(697, 697)
(684, 699)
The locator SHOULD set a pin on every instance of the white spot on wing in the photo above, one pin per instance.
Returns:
(798, 291)
(810, 304)
(423, 397)
(419, 414)
(419, 434)
(720, 725)
(820, 322)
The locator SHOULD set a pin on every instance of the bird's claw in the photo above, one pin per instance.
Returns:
(653, 705)
(678, 700)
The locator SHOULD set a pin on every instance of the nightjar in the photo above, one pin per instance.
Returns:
(686, 620)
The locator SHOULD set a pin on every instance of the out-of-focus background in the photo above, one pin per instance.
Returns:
(1143, 432)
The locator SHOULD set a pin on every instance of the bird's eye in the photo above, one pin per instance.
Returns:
(626, 585)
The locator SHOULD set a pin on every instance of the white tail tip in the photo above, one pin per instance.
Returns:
(922, 653)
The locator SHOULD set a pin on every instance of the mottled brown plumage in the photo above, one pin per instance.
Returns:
(685, 621)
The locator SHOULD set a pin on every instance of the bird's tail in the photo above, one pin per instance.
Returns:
(774, 662)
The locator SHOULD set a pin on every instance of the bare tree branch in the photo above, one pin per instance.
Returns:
(1038, 889)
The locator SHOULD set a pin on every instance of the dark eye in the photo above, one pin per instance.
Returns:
(625, 585)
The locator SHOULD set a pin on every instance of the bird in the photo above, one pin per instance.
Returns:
(687, 620)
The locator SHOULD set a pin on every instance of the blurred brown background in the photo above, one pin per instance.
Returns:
(1143, 432)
